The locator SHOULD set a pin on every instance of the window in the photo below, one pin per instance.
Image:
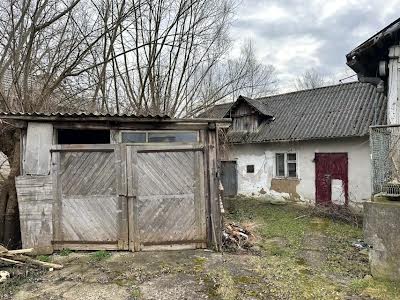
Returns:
(291, 165)
(134, 137)
(280, 164)
(286, 165)
(172, 137)
(159, 137)
(250, 168)
(83, 136)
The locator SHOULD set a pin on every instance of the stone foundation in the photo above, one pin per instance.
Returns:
(382, 231)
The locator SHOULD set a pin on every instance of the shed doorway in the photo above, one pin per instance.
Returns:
(229, 177)
(331, 178)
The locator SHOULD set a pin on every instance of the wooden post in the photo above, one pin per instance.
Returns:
(215, 209)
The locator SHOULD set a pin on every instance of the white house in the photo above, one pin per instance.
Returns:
(311, 144)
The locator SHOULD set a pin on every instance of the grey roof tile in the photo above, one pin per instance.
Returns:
(344, 110)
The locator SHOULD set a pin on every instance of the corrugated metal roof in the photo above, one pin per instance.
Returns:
(345, 110)
(79, 115)
(104, 117)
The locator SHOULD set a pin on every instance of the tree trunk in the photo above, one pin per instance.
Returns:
(10, 234)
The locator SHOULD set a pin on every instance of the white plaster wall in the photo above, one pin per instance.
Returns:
(263, 158)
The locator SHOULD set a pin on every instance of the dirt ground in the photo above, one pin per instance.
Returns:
(299, 256)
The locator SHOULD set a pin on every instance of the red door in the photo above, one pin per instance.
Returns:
(330, 166)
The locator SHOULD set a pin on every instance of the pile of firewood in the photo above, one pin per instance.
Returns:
(236, 237)
(17, 257)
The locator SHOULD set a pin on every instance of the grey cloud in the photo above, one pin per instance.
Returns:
(337, 34)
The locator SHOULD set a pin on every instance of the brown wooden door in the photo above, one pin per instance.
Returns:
(166, 196)
(328, 167)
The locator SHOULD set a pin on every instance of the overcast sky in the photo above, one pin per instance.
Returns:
(294, 35)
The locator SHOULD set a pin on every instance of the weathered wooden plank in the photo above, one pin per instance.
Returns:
(35, 197)
(89, 218)
(37, 149)
(84, 147)
(122, 217)
(88, 173)
(85, 247)
(215, 214)
(132, 187)
(168, 147)
(200, 198)
(175, 247)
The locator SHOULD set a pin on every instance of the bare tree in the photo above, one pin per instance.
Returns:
(311, 79)
(43, 45)
(138, 56)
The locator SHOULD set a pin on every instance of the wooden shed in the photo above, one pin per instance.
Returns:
(117, 182)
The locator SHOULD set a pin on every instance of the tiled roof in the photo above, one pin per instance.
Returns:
(345, 110)
(217, 111)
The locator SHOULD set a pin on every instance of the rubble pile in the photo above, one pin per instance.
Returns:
(237, 237)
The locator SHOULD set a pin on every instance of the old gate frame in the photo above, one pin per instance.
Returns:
(125, 161)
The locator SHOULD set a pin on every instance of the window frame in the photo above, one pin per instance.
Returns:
(252, 167)
(157, 131)
(276, 165)
(286, 163)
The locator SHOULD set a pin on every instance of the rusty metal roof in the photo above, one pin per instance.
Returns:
(345, 110)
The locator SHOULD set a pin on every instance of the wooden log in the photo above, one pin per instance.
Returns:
(11, 261)
(20, 251)
(36, 262)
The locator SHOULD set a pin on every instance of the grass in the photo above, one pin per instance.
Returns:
(65, 252)
(306, 256)
(44, 258)
(99, 255)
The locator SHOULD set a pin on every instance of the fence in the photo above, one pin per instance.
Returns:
(385, 151)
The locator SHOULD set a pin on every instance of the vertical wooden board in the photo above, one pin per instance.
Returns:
(122, 216)
(37, 149)
(215, 213)
(121, 156)
(132, 200)
(35, 201)
(200, 200)
(56, 160)
(114, 136)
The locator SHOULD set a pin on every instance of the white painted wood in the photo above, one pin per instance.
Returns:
(37, 149)
(393, 108)
(337, 192)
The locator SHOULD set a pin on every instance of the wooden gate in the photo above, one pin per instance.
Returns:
(129, 197)
(88, 212)
(166, 197)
